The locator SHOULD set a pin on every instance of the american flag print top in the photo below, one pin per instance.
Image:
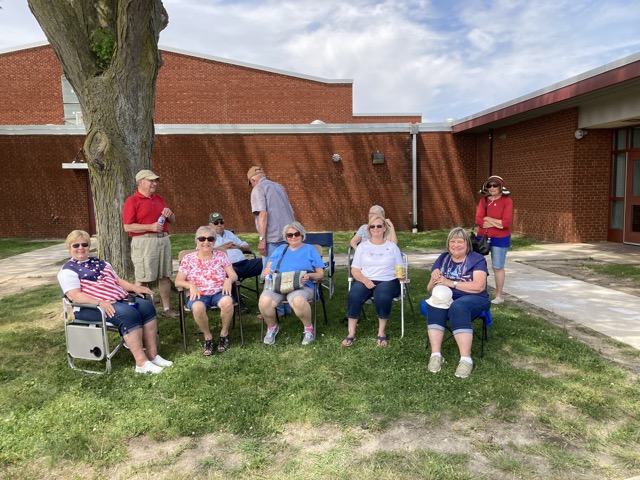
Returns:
(97, 278)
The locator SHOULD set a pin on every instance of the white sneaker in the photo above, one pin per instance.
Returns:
(148, 367)
(497, 300)
(161, 362)
(435, 363)
(308, 337)
(270, 337)
(464, 369)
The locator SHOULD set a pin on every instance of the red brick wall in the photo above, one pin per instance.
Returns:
(324, 194)
(193, 90)
(203, 173)
(190, 90)
(446, 191)
(38, 198)
(31, 88)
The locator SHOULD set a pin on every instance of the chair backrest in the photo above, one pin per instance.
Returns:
(182, 253)
(322, 241)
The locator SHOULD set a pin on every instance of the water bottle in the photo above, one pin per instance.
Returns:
(131, 300)
(161, 220)
(268, 282)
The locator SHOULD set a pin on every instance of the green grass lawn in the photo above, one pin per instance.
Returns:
(538, 405)
(15, 246)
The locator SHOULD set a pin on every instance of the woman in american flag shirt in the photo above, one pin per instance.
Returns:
(86, 279)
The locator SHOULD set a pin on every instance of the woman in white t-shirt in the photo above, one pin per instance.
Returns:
(374, 272)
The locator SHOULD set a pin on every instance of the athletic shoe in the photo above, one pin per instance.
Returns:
(270, 337)
(308, 337)
(464, 369)
(497, 300)
(435, 363)
(161, 362)
(148, 367)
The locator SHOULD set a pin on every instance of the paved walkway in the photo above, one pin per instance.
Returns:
(607, 311)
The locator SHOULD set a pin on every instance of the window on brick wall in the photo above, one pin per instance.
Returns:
(72, 111)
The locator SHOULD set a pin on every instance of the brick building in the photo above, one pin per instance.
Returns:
(215, 118)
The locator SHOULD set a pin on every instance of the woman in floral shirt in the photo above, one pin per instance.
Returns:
(208, 276)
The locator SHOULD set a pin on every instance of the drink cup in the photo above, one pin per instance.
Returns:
(399, 271)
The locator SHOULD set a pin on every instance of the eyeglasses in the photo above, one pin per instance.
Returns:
(492, 185)
(295, 234)
(208, 239)
(78, 245)
(376, 226)
(219, 222)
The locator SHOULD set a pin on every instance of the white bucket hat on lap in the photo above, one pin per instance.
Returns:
(441, 297)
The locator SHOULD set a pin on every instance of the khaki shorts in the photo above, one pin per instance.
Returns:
(151, 257)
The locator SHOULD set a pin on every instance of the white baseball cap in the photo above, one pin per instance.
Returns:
(441, 297)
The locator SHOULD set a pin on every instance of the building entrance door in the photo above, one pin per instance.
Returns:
(632, 200)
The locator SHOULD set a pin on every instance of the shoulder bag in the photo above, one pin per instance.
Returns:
(287, 282)
(481, 245)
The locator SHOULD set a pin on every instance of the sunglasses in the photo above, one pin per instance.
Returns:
(295, 234)
(219, 222)
(208, 239)
(376, 226)
(78, 245)
(492, 185)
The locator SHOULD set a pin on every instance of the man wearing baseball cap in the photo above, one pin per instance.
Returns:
(145, 216)
(235, 249)
(272, 210)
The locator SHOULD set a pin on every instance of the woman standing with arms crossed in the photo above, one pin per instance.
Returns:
(494, 216)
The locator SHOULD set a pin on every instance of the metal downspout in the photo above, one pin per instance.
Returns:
(414, 164)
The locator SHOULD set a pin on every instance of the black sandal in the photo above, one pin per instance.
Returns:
(208, 348)
(223, 345)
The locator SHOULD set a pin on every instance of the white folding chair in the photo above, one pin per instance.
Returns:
(404, 289)
(88, 340)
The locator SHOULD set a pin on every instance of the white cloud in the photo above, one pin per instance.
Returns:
(444, 59)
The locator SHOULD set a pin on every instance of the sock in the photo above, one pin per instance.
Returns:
(308, 329)
(166, 309)
(436, 354)
(467, 359)
(271, 328)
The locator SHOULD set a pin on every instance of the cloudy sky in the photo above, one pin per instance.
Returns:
(441, 58)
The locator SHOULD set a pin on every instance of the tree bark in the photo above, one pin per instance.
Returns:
(117, 102)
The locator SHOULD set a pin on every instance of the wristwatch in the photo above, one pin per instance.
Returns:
(455, 285)
(260, 238)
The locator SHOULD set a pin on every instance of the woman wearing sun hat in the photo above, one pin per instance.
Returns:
(494, 216)
(458, 287)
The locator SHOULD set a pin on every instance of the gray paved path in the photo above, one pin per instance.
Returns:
(607, 311)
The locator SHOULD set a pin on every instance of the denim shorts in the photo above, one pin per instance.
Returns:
(209, 301)
(126, 318)
(498, 257)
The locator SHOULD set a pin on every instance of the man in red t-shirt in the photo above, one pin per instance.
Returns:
(145, 216)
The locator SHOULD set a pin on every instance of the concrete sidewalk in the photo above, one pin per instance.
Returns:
(607, 311)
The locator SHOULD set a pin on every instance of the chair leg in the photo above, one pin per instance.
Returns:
(181, 302)
(413, 313)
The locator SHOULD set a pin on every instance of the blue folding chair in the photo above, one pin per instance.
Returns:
(324, 240)
(485, 317)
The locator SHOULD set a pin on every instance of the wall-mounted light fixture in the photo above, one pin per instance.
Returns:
(336, 158)
(377, 158)
(579, 133)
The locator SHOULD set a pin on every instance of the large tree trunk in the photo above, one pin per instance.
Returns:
(117, 99)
